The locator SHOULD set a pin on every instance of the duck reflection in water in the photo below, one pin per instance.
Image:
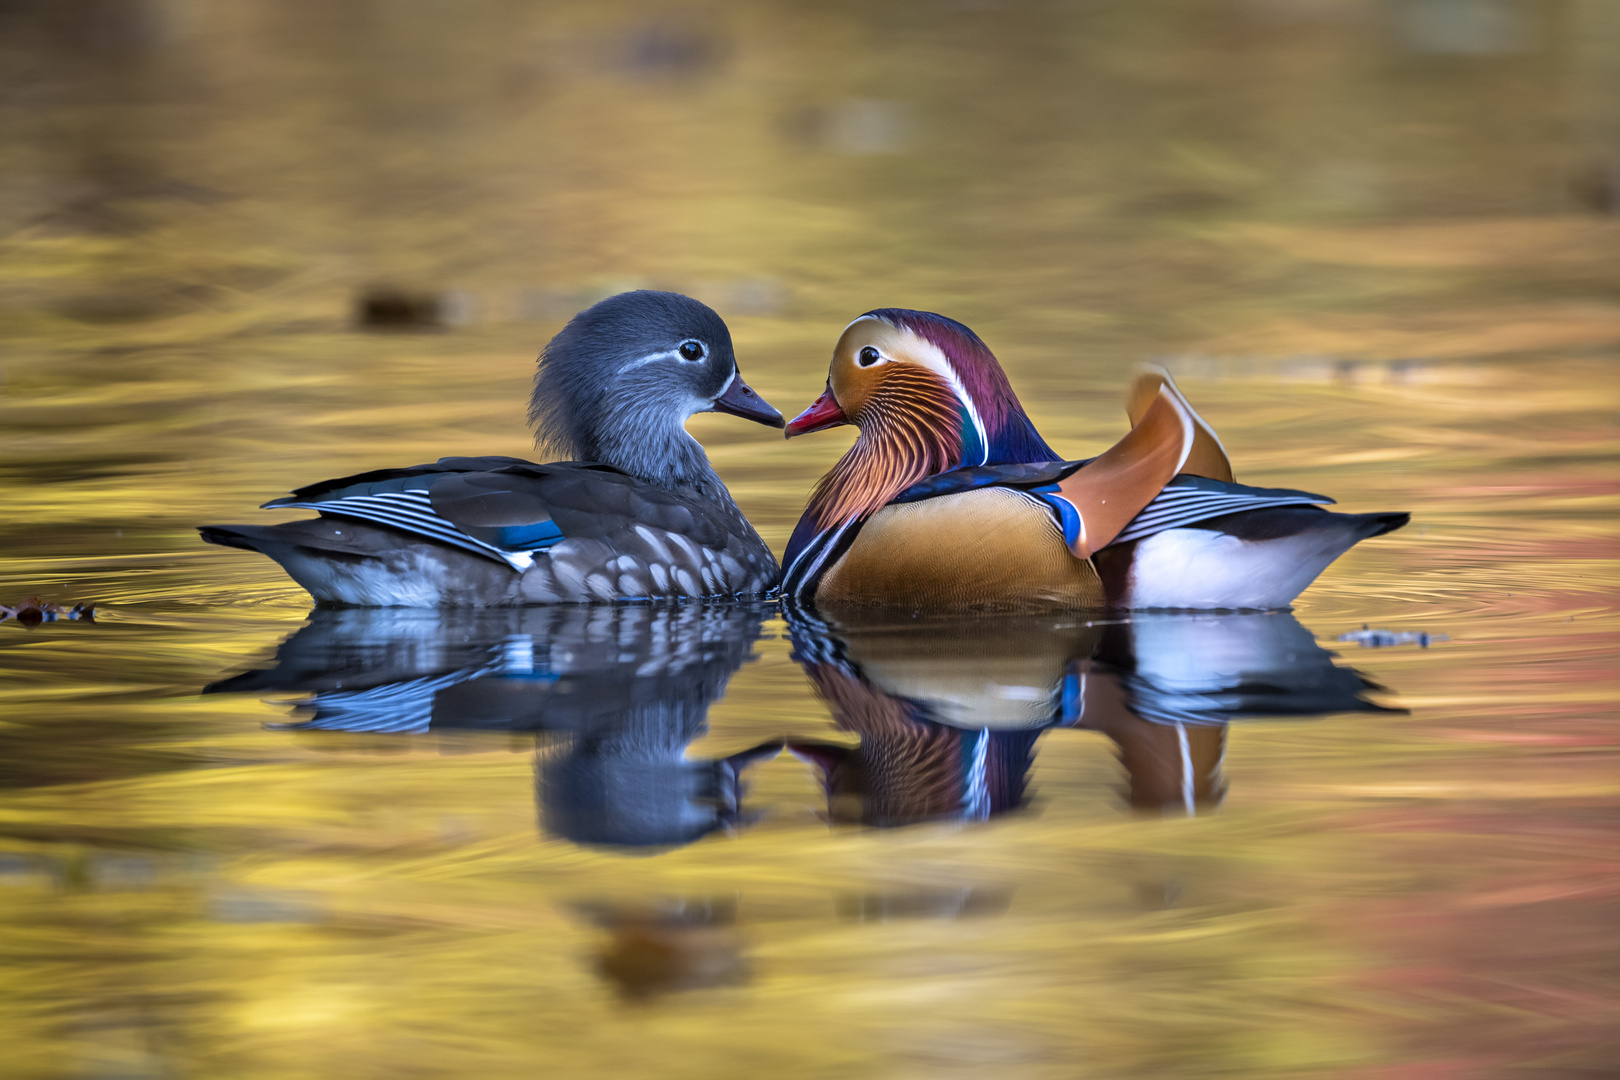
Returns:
(949, 714)
(613, 694)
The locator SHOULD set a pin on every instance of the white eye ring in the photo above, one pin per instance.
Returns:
(867, 356)
(691, 350)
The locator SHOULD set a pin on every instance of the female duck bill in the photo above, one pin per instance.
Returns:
(740, 400)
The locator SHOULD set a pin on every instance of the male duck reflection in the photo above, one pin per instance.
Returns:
(613, 694)
(951, 500)
(638, 513)
(949, 714)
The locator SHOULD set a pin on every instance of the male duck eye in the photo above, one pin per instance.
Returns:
(691, 350)
(869, 356)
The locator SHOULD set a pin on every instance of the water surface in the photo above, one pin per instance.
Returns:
(1375, 242)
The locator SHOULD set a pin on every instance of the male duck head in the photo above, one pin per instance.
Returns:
(619, 382)
(928, 397)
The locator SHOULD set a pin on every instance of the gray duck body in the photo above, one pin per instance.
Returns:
(638, 513)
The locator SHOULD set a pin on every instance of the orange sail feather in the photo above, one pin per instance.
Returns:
(1208, 457)
(1114, 488)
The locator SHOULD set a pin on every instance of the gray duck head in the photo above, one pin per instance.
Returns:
(618, 383)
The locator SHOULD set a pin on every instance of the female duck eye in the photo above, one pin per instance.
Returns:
(691, 350)
(869, 356)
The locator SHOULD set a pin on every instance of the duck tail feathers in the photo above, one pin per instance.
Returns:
(1379, 524)
(314, 535)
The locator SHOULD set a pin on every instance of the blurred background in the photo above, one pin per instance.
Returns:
(201, 202)
(246, 245)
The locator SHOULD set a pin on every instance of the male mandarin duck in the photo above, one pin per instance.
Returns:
(638, 513)
(951, 500)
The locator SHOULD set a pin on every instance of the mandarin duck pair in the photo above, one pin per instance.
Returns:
(949, 500)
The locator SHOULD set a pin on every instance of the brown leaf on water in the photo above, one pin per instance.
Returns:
(687, 946)
(648, 958)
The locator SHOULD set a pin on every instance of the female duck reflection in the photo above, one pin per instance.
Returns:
(613, 694)
(948, 715)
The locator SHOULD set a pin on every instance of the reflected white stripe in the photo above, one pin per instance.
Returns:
(1186, 769)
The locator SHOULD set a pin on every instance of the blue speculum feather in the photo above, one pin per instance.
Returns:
(541, 534)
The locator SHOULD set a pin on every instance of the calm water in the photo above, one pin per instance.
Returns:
(1375, 240)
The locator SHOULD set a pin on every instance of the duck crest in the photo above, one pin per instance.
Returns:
(996, 430)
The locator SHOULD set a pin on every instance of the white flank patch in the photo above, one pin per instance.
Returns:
(1198, 568)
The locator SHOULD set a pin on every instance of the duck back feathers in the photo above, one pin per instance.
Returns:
(458, 533)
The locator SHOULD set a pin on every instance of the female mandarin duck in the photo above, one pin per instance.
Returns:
(637, 513)
(950, 499)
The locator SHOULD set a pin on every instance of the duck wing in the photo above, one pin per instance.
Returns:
(1188, 500)
(1097, 501)
(508, 509)
(1185, 500)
